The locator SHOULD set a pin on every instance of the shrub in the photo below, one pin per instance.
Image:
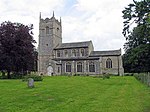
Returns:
(128, 74)
(106, 76)
(12, 76)
(65, 74)
(98, 76)
(143, 77)
(16, 76)
(3, 77)
(34, 77)
(77, 74)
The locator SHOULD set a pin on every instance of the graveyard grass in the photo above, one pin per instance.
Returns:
(75, 94)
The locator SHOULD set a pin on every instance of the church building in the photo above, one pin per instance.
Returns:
(57, 58)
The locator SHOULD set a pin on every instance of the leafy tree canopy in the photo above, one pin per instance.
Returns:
(16, 47)
(137, 47)
(138, 12)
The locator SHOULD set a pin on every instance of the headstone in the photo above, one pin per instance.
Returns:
(30, 83)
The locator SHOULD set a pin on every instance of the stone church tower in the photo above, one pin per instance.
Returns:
(50, 36)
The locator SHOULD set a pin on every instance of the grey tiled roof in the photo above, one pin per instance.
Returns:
(76, 58)
(106, 53)
(74, 45)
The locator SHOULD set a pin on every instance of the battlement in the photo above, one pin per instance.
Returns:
(52, 19)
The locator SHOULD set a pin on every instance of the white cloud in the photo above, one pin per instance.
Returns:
(99, 21)
(96, 20)
(27, 11)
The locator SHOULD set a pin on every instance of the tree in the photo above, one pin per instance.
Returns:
(34, 61)
(138, 12)
(137, 47)
(16, 47)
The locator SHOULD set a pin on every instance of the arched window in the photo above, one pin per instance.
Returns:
(91, 67)
(47, 30)
(58, 53)
(82, 52)
(74, 53)
(68, 67)
(108, 63)
(79, 67)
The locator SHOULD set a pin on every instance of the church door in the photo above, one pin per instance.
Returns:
(49, 70)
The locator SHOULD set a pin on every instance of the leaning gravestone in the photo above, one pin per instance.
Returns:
(30, 83)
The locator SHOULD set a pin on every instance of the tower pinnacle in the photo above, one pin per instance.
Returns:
(60, 20)
(53, 14)
(40, 15)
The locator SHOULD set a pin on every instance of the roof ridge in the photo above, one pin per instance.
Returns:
(76, 42)
(107, 50)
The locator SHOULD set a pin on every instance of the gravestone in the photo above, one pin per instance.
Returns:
(30, 83)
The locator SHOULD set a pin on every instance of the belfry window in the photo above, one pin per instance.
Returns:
(68, 67)
(108, 63)
(42, 32)
(79, 67)
(91, 67)
(47, 30)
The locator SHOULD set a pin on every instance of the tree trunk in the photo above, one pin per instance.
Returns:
(3, 73)
(8, 75)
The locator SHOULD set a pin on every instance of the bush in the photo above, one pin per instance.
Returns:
(143, 77)
(12, 76)
(66, 74)
(106, 76)
(98, 76)
(16, 76)
(34, 77)
(77, 74)
(128, 74)
(3, 77)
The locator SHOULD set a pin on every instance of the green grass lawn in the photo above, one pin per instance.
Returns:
(75, 94)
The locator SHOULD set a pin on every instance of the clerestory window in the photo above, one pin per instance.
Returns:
(58, 53)
(66, 53)
(74, 54)
(82, 52)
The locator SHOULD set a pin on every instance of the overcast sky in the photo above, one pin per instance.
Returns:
(82, 20)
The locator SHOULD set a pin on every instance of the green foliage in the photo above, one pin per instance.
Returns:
(16, 47)
(76, 94)
(98, 76)
(106, 76)
(137, 47)
(138, 12)
(34, 77)
(128, 74)
(143, 77)
(82, 74)
(12, 75)
(3, 77)
(137, 59)
(67, 74)
(16, 76)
